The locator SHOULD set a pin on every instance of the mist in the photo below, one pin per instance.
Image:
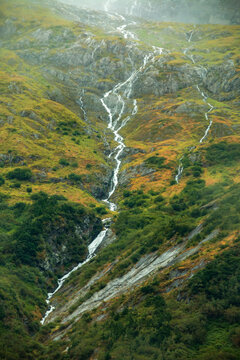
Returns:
(187, 11)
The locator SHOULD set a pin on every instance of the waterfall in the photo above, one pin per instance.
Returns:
(91, 253)
(204, 97)
(116, 121)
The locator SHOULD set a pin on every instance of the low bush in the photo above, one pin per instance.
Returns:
(20, 174)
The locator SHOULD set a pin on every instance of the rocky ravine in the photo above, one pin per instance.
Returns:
(145, 268)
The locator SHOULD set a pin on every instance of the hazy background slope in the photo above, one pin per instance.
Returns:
(189, 11)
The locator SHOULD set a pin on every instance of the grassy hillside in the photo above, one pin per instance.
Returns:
(48, 155)
(169, 125)
(55, 169)
(42, 126)
(164, 318)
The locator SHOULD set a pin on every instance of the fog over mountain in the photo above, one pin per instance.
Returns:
(188, 11)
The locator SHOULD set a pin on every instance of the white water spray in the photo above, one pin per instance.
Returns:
(116, 121)
(179, 171)
(91, 253)
(80, 103)
(121, 94)
(204, 97)
(206, 114)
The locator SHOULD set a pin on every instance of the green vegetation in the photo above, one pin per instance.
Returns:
(223, 153)
(20, 174)
(75, 178)
(38, 228)
(2, 181)
(53, 156)
(203, 324)
(156, 162)
(41, 123)
(126, 333)
(30, 236)
(148, 222)
(206, 325)
(63, 162)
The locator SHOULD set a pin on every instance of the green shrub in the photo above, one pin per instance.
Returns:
(20, 174)
(74, 164)
(2, 181)
(156, 162)
(16, 185)
(223, 153)
(101, 210)
(63, 162)
(75, 178)
(159, 199)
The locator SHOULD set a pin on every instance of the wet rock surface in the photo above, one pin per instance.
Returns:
(145, 267)
(58, 252)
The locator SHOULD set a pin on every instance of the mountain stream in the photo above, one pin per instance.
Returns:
(204, 97)
(120, 109)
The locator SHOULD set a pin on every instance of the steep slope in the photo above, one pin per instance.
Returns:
(44, 119)
(97, 105)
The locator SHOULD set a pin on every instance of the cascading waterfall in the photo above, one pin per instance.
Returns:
(115, 123)
(201, 92)
(91, 253)
(133, 7)
(121, 92)
(180, 166)
(107, 5)
(206, 114)
(80, 103)
(180, 171)
(126, 33)
(190, 36)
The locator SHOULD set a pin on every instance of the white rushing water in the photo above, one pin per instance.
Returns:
(133, 8)
(206, 114)
(180, 171)
(126, 33)
(120, 108)
(115, 102)
(190, 36)
(91, 253)
(80, 103)
(119, 98)
(204, 97)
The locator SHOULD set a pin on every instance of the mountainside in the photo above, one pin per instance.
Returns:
(120, 180)
(189, 11)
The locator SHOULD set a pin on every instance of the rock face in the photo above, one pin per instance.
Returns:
(84, 62)
(162, 78)
(127, 174)
(146, 267)
(222, 79)
(66, 243)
